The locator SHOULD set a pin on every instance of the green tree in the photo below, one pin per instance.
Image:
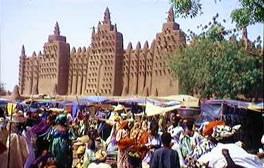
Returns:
(251, 11)
(217, 69)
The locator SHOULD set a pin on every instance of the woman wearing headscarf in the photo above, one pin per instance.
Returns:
(60, 140)
(123, 141)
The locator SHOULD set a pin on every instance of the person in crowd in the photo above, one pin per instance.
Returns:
(28, 135)
(16, 144)
(153, 143)
(163, 126)
(80, 157)
(123, 141)
(100, 158)
(111, 140)
(3, 128)
(187, 139)
(165, 157)
(226, 153)
(89, 155)
(176, 131)
(60, 142)
(45, 160)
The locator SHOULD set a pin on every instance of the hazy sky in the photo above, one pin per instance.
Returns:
(29, 22)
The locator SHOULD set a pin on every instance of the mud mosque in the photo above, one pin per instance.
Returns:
(105, 67)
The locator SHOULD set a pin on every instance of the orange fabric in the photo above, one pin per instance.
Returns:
(123, 125)
(125, 143)
(144, 138)
(208, 129)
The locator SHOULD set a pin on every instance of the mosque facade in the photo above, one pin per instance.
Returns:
(105, 67)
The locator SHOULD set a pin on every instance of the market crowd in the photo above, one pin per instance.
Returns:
(118, 137)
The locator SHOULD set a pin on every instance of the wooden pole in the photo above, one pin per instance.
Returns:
(9, 135)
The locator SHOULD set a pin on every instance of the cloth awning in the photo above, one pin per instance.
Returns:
(186, 100)
(155, 110)
(256, 107)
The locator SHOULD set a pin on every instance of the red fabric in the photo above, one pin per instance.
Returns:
(208, 129)
(69, 109)
(2, 148)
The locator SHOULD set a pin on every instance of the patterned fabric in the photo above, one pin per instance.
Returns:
(192, 163)
(223, 131)
(175, 133)
(154, 141)
(187, 144)
(203, 147)
(135, 130)
(208, 128)
(61, 146)
(122, 157)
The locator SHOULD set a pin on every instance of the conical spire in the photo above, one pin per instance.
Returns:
(84, 49)
(153, 44)
(57, 29)
(138, 45)
(93, 30)
(79, 50)
(73, 50)
(99, 24)
(129, 46)
(107, 19)
(23, 53)
(34, 54)
(146, 45)
(170, 15)
(39, 54)
(115, 28)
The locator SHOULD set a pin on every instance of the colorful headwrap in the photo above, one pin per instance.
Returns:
(208, 128)
(223, 131)
(116, 118)
(61, 119)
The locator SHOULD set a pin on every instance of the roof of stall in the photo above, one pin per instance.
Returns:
(91, 99)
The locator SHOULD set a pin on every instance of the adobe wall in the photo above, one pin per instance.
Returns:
(105, 60)
(46, 73)
(48, 69)
(149, 69)
(104, 68)
(28, 78)
(170, 39)
(126, 70)
(78, 70)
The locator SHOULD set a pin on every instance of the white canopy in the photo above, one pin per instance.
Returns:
(155, 110)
